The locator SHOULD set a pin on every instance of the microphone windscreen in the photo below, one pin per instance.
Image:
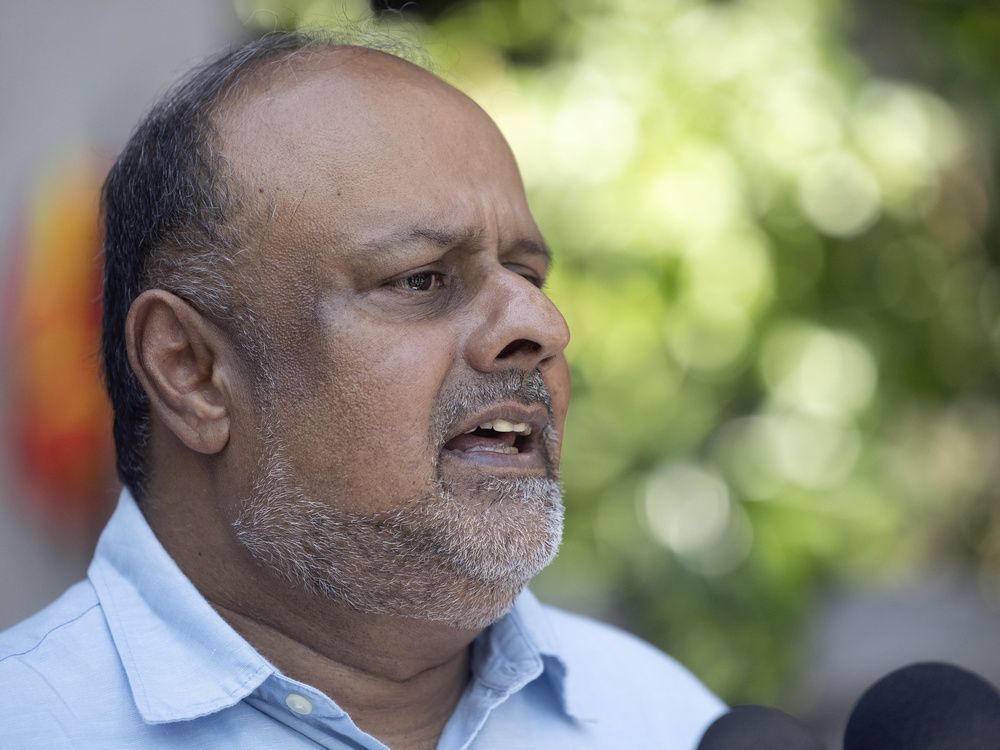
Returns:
(757, 728)
(927, 706)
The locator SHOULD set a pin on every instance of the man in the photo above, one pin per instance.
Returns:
(339, 392)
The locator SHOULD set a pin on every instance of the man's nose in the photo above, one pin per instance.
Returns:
(520, 327)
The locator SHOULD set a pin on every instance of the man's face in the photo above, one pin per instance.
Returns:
(398, 278)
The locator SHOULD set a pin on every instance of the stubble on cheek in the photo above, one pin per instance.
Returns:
(353, 435)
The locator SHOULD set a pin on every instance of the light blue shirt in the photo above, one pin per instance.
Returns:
(135, 657)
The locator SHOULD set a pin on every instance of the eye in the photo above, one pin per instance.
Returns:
(528, 274)
(423, 281)
(539, 282)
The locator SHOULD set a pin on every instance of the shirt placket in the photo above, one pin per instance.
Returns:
(310, 713)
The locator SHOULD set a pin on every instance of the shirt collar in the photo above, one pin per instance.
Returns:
(526, 632)
(181, 658)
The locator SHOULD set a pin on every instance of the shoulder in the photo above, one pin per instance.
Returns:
(623, 673)
(608, 648)
(61, 619)
(52, 666)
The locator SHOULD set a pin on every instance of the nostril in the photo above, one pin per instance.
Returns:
(518, 347)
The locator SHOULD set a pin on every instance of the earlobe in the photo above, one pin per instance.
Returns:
(180, 360)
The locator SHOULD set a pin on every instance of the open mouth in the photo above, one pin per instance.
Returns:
(496, 436)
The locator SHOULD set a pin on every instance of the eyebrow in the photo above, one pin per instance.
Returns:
(446, 239)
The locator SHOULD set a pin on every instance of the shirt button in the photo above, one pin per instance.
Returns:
(299, 704)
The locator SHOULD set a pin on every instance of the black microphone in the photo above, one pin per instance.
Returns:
(928, 706)
(757, 728)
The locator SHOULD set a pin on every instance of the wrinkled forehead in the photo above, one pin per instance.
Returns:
(364, 121)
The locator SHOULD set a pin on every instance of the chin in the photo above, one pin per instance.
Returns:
(435, 557)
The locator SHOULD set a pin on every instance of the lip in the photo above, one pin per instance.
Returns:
(536, 417)
(530, 460)
(526, 462)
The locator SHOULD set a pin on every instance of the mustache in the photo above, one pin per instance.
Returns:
(459, 403)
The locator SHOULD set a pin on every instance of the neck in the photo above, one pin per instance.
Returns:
(299, 631)
(399, 680)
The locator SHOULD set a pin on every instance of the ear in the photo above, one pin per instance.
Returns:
(180, 358)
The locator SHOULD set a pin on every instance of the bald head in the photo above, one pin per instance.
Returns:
(342, 108)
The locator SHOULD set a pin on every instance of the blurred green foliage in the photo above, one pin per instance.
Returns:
(776, 252)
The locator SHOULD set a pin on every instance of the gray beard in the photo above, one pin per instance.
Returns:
(456, 560)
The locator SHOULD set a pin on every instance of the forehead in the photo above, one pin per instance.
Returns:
(359, 144)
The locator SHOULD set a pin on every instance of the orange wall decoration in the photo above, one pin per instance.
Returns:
(59, 417)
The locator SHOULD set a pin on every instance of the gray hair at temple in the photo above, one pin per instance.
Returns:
(176, 218)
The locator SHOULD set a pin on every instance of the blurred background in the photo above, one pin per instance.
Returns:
(777, 248)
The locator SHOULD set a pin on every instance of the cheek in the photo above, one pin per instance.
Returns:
(557, 380)
(363, 423)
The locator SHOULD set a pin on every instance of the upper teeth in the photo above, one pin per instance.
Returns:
(502, 425)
